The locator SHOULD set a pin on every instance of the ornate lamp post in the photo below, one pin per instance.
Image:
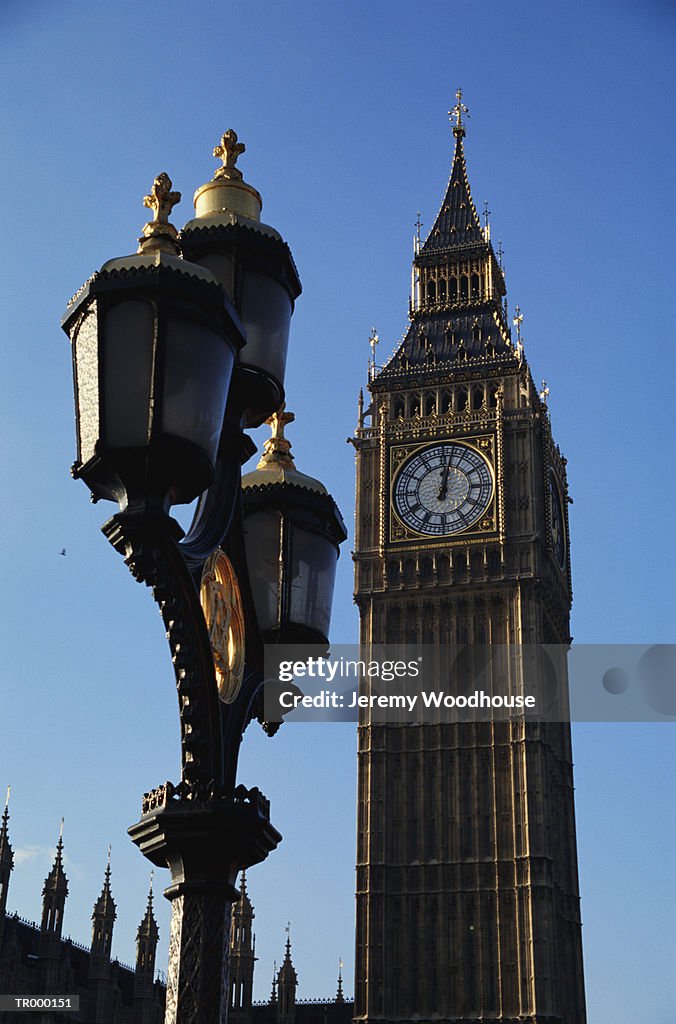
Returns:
(176, 349)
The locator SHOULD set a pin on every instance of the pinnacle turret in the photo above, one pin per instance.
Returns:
(6, 859)
(6, 852)
(287, 983)
(54, 892)
(105, 904)
(147, 931)
(340, 998)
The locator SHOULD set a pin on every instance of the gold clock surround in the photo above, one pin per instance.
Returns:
(224, 614)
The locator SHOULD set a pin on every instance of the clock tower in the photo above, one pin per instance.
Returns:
(467, 884)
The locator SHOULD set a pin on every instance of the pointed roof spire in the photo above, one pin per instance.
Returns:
(287, 972)
(148, 927)
(340, 998)
(244, 901)
(273, 994)
(56, 881)
(105, 904)
(6, 852)
(457, 222)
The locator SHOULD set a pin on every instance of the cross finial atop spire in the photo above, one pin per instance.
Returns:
(5, 813)
(458, 110)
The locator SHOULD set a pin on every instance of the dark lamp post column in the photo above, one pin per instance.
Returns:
(162, 393)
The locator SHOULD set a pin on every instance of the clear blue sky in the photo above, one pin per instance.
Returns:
(342, 106)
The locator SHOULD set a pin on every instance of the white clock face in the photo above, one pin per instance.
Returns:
(443, 489)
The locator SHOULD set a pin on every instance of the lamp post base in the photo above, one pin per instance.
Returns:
(205, 843)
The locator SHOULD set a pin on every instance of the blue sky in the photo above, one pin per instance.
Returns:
(342, 107)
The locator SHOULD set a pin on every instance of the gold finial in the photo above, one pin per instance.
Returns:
(228, 150)
(544, 392)
(277, 448)
(158, 234)
(458, 110)
(61, 830)
(9, 790)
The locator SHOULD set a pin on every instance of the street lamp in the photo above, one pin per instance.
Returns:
(176, 349)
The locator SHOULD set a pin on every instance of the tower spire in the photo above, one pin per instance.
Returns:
(6, 859)
(105, 905)
(287, 983)
(340, 998)
(457, 285)
(147, 936)
(242, 957)
(54, 892)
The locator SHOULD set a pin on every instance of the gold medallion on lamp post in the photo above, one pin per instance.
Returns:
(222, 606)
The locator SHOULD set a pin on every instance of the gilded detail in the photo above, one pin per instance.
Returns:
(228, 150)
(224, 614)
(158, 234)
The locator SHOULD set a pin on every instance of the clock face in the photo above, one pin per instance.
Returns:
(558, 524)
(443, 489)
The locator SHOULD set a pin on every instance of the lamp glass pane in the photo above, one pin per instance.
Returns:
(263, 539)
(197, 369)
(313, 574)
(87, 383)
(266, 315)
(127, 371)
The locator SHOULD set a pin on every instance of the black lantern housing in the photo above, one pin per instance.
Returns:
(154, 343)
(254, 264)
(293, 530)
(258, 273)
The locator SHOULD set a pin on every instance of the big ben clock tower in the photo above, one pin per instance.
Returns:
(467, 885)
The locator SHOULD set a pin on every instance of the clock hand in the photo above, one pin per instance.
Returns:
(444, 479)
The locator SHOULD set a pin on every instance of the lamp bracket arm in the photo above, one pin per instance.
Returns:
(148, 542)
